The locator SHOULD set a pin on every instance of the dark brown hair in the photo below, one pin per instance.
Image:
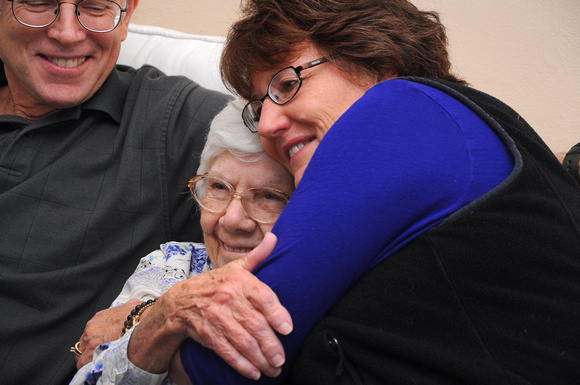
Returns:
(376, 38)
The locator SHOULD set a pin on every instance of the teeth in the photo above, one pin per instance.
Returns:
(67, 63)
(235, 250)
(297, 147)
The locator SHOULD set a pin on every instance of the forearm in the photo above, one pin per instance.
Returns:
(110, 365)
(104, 327)
(141, 356)
(177, 372)
(155, 340)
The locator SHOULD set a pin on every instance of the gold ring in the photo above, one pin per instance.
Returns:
(75, 349)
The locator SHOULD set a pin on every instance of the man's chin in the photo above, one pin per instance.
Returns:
(63, 95)
(62, 101)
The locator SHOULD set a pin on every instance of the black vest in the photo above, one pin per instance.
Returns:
(490, 296)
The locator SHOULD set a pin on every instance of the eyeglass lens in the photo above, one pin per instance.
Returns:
(284, 85)
(262, 205)
(282, 88)
(251, 115)
(94, 15)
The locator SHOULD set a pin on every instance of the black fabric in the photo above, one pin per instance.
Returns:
(84, 194)
(571, 162)
(489, 296)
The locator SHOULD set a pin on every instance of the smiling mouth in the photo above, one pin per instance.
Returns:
(297, 147)
(237, 250)
(66, 63)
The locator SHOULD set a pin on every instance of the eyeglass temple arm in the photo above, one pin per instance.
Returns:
(312, 63)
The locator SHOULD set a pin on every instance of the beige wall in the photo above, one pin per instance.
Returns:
(525, 52)
(202, 17)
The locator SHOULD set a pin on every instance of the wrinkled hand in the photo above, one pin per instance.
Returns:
(229, 311)
(105, 326)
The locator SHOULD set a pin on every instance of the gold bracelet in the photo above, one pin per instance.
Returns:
(135, 316)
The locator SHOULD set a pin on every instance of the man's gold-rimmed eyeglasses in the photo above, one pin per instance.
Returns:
(215, 194)
(94, 15)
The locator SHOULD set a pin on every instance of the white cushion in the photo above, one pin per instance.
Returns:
(175, 53)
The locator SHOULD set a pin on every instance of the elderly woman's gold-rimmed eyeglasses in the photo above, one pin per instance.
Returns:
(215, 194)
(94, 15)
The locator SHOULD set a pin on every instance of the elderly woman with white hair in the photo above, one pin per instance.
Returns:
(233, 165)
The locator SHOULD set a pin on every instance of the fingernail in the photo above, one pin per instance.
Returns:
(285, 328)
(277, 361)
(255, 375)
(273, 372)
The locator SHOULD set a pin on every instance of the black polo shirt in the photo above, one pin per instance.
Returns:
(84, 194)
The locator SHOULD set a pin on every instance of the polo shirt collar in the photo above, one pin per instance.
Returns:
(111, 97)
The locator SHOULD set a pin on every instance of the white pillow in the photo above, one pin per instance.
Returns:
(175, 53)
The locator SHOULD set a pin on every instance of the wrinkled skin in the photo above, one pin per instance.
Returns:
(227, 309)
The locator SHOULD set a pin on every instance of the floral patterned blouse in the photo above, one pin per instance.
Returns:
(155, 274)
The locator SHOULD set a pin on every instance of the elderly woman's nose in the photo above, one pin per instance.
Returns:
(236, 217)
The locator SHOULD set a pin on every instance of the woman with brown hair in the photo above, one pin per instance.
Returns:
(433, 237)
(463, 227)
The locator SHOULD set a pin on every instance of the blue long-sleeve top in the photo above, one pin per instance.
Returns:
(399, 161)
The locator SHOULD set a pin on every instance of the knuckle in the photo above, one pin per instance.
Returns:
(208, 336)
(261, 292)
(247, 344)
(240, 275)
(256, 323)
(270, 342)
(226, 293)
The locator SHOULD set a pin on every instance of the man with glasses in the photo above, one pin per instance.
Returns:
(94, 15)
(94, 163)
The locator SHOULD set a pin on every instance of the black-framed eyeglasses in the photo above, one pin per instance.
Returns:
(282, 88)
(94, 15)
(215, 194)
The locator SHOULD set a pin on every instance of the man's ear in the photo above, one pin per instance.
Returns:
(124, 25)
(131, 5)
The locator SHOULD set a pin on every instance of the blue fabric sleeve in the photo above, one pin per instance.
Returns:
(399, 161)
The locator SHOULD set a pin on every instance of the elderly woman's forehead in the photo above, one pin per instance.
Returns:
(231, 168)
